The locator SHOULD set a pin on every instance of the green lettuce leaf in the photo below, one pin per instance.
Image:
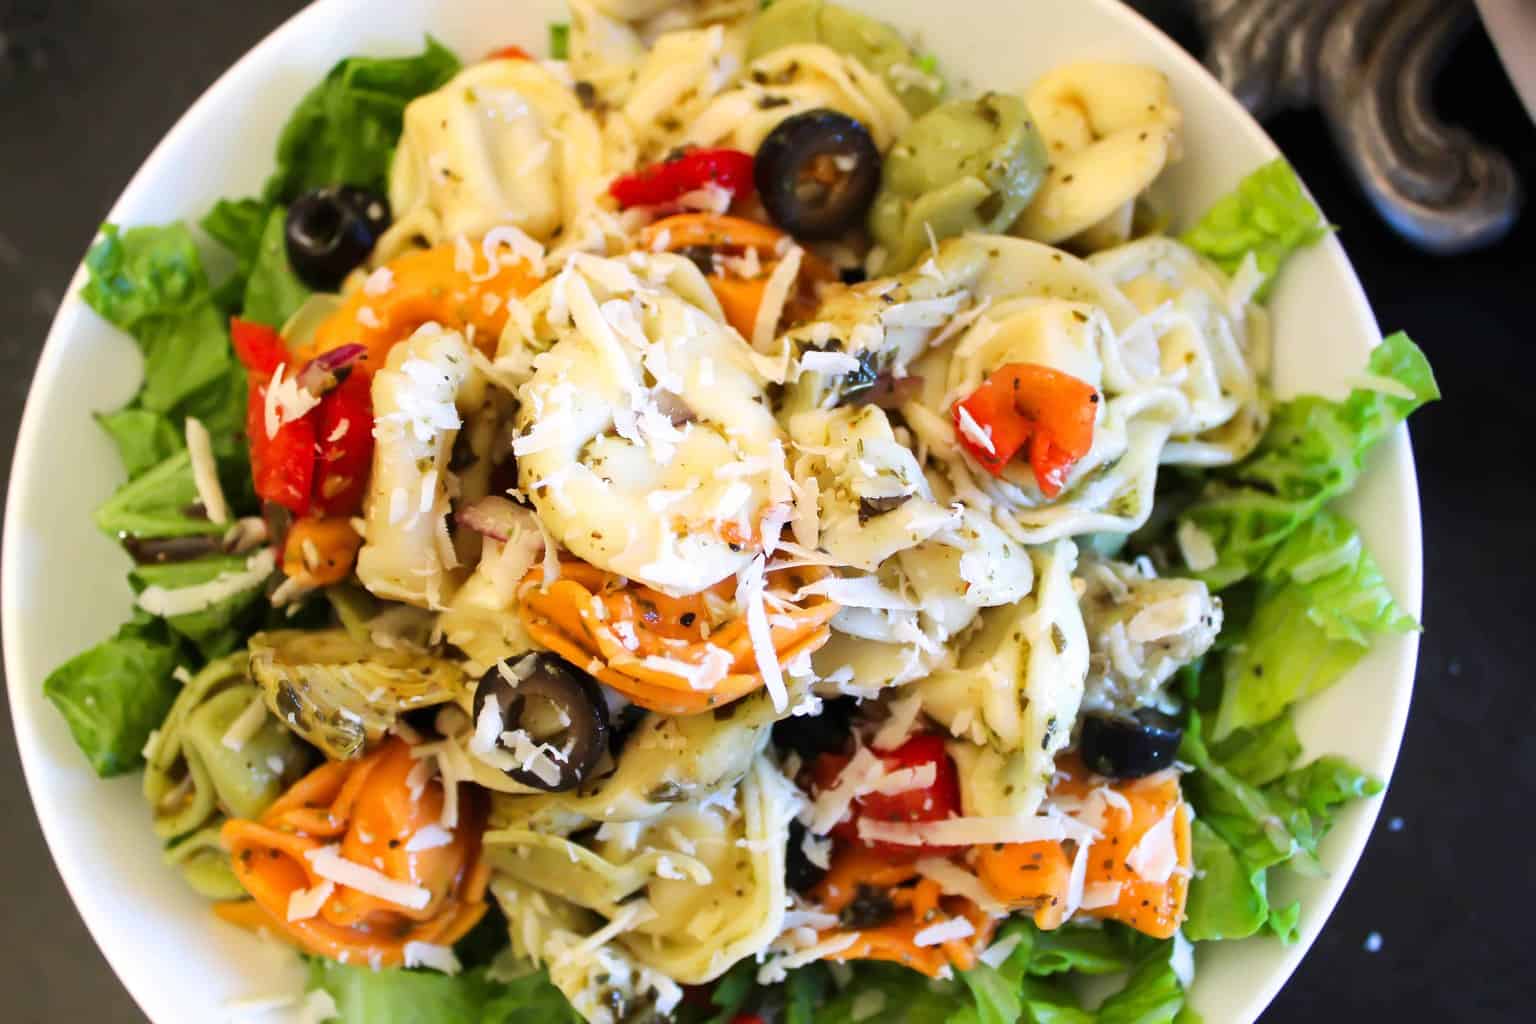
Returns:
(113, 695)
(1261, 754)
(365, 996)
(273, 293)
(237, 225)
(1227, 899)
(144, 439)
(559, 40)
(345, 130)
(219, 628)
(1313, 451)
(149, 281)
(156, 504)
(1269, 214)
(1320, 602)
(1152, 994)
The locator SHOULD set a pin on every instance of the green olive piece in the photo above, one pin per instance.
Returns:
(872, 43)
(967, 165)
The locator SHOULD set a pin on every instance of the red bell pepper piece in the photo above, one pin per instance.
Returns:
(1028, 405)
(509, 53)
(282, 465)
(344, 430)
(931, 803)
(660, 183)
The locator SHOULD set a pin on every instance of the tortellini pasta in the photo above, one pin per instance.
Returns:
(419, 397)
(647, 401)
(1109, 130)
(789, 81)
(1017, 681)
(874, 44)
(202, 766)
(1200, 334)
(1141, 630)
(505, 143)
(1042, 306)
(967, 165)
(872, 498)
(691, 891)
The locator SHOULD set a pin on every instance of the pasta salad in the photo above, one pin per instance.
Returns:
(710, 524)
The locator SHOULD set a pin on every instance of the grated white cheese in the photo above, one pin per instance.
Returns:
(749, 596)
(1076, 877)
(858, 592)
(944, 931)
(304, 904)
(285, 401)
(1196, 546)
(379, 282)
(898, 726)
(1162, 619)
(954, 880)
(205, 471)
(775, 295)
(157, 600)
(1100, 894)
(327, 862)
(430, 837)
(829, 363)
(997, 954)
(832, 803)
(245, 725)
(427, 954)
(776, 969)
(905, 780)
(1154, 856)
(978, 435)
(973, 831)
(1182, 960)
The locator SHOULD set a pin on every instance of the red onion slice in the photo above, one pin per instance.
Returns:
(329, 368)
(495, 517)
(888, 392)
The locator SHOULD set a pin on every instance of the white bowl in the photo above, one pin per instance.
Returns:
(64, 586)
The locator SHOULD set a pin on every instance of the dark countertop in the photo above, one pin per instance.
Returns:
(88, 87)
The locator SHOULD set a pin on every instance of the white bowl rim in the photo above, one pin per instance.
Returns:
(73, 869)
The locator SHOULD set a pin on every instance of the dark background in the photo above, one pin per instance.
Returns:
(87, 87)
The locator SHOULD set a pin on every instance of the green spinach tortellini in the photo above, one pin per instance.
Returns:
(207, 762)
(968, 165)
(874, 44)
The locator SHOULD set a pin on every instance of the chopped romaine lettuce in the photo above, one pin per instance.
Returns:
(158, 503)
(364, 996)
(344, 131)
(144, 439)
(113, 695)
(1261, 754)
(273, 292)
(1152, 995)
(1243, 829)
(559, 40)
(1320, 602)
(1269, 214)
(150, 282)
(237, 225)
(1313, 452)
(219, 628)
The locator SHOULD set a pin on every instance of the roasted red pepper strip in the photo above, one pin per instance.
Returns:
(660, 183)
(509, 53)
(344, 430)
(1026, 404)
(937, 801)
(282, 465)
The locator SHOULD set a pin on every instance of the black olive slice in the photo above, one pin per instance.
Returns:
(330, 232)
(810, 735)
(556, 705)
(1129, 747)
(818, 173)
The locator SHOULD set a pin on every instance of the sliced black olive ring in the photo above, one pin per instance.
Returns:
(818, 173)
(330, 232)
(555, 704)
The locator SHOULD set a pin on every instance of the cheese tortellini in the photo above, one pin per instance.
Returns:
(1109, 130)
(647, 401)
(504, 144)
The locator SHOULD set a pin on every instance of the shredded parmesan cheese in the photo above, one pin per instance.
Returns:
(427, 954)
(205, 471)
(304, 904)
(328, 863)
(944, 931)
(245, 725)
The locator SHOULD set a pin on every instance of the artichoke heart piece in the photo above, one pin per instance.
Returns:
(967, 165)
(341, 694)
